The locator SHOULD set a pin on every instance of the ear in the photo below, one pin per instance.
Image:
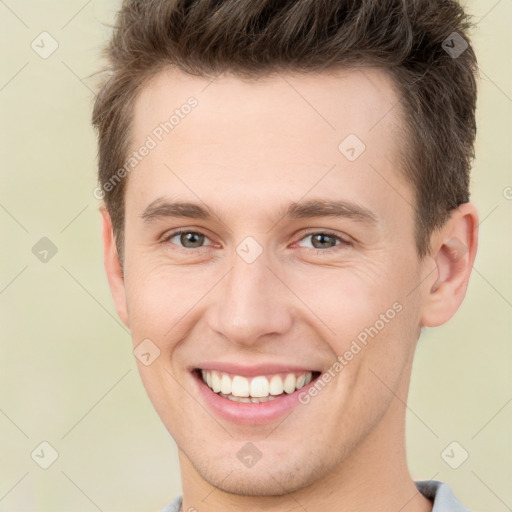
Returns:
(453, 252)
(113, 268)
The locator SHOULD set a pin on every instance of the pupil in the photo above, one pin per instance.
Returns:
(189, 238)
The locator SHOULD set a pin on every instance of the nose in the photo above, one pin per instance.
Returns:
(250, 303)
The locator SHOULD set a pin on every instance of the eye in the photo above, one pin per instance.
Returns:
(187, 239)
(325, 240)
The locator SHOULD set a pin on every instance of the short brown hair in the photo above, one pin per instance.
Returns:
(410, 39)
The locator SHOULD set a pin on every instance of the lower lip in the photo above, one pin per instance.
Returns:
(253, 413)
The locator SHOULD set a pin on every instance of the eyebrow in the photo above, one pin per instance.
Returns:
(162, 208)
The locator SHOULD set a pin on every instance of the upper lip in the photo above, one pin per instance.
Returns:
(252, 370)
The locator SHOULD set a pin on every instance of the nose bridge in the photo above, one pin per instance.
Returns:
(250, 303)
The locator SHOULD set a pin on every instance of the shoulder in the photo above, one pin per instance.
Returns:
(173, 506)
(441, 495)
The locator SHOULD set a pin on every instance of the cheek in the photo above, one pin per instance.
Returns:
(161, 300)
(365, 317)
(348, 300)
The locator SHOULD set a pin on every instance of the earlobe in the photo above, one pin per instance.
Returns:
(113, 268)
(453, 252)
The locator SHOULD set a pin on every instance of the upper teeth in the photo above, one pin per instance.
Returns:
(257, 387)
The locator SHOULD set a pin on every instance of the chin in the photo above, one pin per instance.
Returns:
(274, 476)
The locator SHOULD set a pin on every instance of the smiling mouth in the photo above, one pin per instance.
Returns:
(258, 389)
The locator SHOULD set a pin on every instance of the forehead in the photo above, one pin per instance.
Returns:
(356, 100)
(278, 134)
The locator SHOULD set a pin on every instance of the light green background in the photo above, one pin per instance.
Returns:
(68, 376)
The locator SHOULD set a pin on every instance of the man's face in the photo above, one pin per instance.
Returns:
(252, 291)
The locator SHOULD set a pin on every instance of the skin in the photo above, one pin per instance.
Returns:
(246, 151)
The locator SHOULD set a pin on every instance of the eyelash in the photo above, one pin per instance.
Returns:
(165, 240)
